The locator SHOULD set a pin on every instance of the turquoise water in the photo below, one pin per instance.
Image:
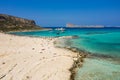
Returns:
(105, 43)
(97, 69)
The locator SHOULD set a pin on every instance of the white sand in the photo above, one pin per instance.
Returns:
(25, 58)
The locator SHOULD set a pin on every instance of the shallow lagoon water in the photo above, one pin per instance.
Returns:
(100, 42)
(97, 69)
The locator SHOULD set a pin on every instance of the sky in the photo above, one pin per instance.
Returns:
(54, 13)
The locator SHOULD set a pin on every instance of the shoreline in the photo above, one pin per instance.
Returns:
(43, 29)
(78, 60)
(19, 52)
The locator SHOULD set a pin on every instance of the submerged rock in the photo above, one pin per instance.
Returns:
(75, 37)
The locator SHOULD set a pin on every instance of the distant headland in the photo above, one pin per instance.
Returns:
(83, 26)
(12, 23)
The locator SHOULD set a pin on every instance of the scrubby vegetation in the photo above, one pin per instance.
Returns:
(11, 23)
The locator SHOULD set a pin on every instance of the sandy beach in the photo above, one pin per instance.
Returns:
(28, 58)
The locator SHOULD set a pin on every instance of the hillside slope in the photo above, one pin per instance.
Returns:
(12, 23)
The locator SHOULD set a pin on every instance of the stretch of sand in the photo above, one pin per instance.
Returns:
(26, 58)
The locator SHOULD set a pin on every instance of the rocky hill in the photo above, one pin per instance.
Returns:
(12, 23)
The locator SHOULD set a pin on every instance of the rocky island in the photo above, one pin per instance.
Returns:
(69, 25)
(12, 23)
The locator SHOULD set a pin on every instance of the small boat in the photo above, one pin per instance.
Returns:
(60, 29)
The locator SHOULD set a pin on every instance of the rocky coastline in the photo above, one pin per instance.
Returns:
(78, 61)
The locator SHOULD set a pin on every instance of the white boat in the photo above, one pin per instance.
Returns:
(60, 29)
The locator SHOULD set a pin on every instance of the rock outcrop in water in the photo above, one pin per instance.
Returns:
(12, 23)
(69, 25)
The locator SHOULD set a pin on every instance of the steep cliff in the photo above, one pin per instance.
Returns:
(12, 23)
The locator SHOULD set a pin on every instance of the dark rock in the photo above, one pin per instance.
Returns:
(27, 77)
(3, 63)
(33, 48)
(43, 49)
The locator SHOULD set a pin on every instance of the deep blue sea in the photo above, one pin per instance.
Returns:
(102, 43)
